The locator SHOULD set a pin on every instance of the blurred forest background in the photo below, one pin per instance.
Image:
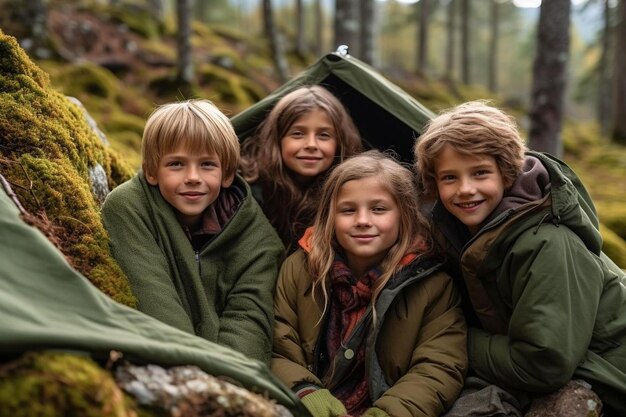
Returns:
(557, 66)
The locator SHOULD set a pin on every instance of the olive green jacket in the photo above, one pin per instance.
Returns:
(223, 292)
(551, 305)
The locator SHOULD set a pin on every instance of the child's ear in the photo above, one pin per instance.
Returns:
(152, 180)
(228, 181)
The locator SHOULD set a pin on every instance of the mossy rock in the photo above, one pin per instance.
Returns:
(47, 152)
(54, 384)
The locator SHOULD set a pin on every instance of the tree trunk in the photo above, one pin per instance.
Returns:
(347, 25)
(183, 39)
(319, 28)
(549, 77)
(276, 49)
(367, 46)
(450, 38)
(300, 29)
(604, 94)
(422, 51)
(493, 46)
(618, 134)
(465, 41)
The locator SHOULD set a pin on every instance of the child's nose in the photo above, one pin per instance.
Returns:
(311, 141)
(362, 218)
(466, 186)
(192, 175)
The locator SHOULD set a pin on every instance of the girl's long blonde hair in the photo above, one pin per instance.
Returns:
(414, 231)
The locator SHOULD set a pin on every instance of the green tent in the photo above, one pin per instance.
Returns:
(45, 304)
(387, 116)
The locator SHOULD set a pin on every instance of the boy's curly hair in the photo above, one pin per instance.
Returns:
(472, 128)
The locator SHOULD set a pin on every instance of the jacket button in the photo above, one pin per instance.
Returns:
(348, 354)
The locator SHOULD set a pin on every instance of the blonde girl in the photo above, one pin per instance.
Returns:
(366, 323)
(304, 136)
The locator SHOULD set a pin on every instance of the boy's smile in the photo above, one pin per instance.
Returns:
(469, 186)
(308, 149)
(190, 182)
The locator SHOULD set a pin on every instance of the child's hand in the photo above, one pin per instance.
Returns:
(322, 403)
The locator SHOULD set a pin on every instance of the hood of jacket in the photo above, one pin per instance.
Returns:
(546, 191)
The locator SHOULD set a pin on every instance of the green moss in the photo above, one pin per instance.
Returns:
(120, 122)
(137, 17)
(87, 80)
(15, 62)
(60, 384)
(47, 150)
(159, 48)
(127, 143)
(578, 138)
(229, 86)
(168, 86)
(613, 216)
(614, 246)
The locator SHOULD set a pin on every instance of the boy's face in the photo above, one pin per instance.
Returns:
(190, 182)
(469, 186)
(308, 149)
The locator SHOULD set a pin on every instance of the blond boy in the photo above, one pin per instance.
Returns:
(197, 250)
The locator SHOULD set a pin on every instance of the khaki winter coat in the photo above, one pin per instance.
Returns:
(416, 356)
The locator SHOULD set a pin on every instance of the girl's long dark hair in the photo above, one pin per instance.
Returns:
(289, 205)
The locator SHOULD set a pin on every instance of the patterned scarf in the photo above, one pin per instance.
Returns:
(350, 300)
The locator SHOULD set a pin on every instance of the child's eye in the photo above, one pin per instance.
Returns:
(481, 172)
(174, 164)
(379, 209)
(296, 134)
(346, 210)
(325, 135)
(209, 164)
(446, 178)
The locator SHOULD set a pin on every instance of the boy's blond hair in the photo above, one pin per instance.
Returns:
(472, 128)
(196, 126)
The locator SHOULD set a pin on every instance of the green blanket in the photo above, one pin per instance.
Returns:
(46, 304)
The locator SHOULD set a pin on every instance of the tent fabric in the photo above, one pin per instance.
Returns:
(387, 117)
(45, 304)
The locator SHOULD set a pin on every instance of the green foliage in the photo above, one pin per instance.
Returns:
(54, 384)
(46, 152)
